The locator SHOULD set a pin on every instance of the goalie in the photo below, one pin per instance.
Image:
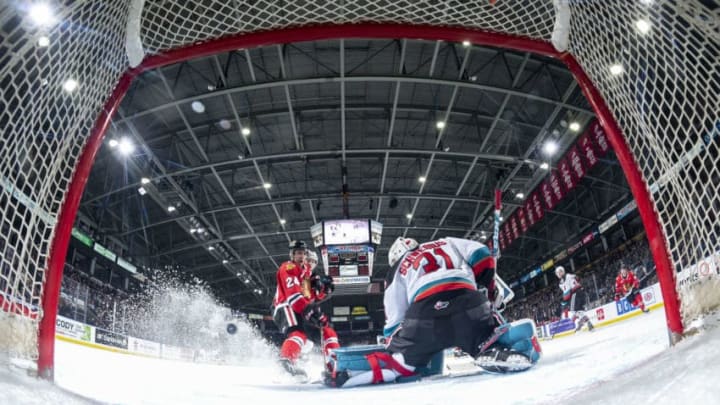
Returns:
(628, 286)
(432, 303)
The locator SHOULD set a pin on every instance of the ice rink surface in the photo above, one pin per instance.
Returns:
(620, 363)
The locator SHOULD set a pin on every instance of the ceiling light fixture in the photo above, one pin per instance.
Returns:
(42, 14)
(126, 146)
(643, 26)
(198, 107)
(70, 85)
(550, 147)
(616, 69)
(43, 41)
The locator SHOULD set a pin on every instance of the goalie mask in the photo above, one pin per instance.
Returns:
(560, 271)
(399, 248)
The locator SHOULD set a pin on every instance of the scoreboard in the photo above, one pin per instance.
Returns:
(347, 248)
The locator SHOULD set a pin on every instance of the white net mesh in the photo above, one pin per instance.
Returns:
(666, 98)
(44, 129)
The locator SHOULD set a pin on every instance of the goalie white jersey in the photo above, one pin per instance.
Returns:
(442, 265)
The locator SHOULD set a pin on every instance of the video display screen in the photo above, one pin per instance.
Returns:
(346, 231)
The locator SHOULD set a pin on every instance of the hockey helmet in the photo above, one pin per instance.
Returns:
(297, 245)
(399, 248)
(560, 271)
(310, 255)
(624, 267)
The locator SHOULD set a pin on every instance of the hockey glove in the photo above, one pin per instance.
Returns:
(617, 297)
(496, 297)
(314, 316)
(323, 284)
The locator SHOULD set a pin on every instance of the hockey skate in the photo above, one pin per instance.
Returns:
(294, 370)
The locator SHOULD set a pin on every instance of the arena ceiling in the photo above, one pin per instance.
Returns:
(253, 146)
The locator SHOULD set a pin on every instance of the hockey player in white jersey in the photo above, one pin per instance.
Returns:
(432, 303)
(574, 299)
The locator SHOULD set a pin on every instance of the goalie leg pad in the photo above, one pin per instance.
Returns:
(361, 365)
(522, 337)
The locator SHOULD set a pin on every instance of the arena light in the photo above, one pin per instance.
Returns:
(616, 69)
(422, 179)
(282, 221)
(225, 261)
(545, 166)
(408, 216)
(267, 186)
(144, 180)
(643, 26)
(225, 124)
(42, 14)
(193, 230)
(247, 281)
(171, 208)
(142, 191)
(125, 146)
(211, 248)
(550, 147)
(466, 43)
(574, 126)
(440, 124)
(245, 131)
(43, 41)
(113, 143)
(198, 107)
(520, 196)
(70, 85)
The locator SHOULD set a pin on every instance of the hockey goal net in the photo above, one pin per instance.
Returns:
(649, 68)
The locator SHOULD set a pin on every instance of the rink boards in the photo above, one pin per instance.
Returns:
(606, 314)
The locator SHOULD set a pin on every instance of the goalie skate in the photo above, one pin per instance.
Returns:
(502, 361)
